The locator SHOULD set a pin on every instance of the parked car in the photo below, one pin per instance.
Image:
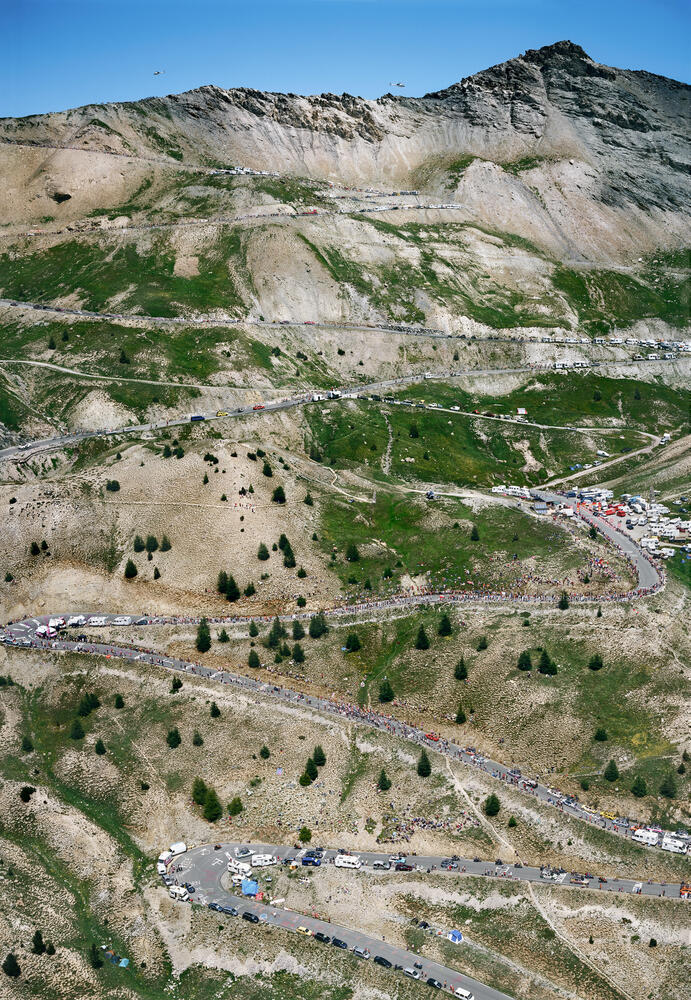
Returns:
(384, 962)
(338, 943)
(251, 917)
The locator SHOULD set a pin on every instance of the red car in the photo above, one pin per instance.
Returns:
(432, 736)
(259, 406)
(403, 867)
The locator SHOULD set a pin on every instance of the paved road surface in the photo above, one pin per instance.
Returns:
(204, 867)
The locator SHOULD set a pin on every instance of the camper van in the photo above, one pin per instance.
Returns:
(179, 892)
(239, 867)
(347, 861)
(263, 860)
(647, 837)
(673, 844)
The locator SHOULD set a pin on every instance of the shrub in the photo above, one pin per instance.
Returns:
(157, 573)
(311, 769)
(113, 486)
(25, 792)
(175, 685)
(302, 573)
(38, 945)
(199, 791)
(424, 768)
(301, 602)
(308, 500)
(267, 470)
(492, 805)
(262, 552)
(265, 753)
(305, 780)
(305, 835)
(35, 549)
(88, 703)
(595, 662)
(197, 739)
(482, 644)
(27, 745)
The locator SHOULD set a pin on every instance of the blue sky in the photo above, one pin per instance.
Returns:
(62, 53)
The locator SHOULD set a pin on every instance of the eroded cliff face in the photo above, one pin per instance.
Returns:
(584, 160)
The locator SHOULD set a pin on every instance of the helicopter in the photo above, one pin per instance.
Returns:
(397, 85)
(158, 72)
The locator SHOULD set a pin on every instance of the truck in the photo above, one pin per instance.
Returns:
(347, 861)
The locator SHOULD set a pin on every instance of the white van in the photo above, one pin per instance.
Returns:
(263, 860)
(647, 837)
(179, 892)
(347, 861)
(178, 848)
(465, 994)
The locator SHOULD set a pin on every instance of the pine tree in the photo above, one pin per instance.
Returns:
(305, 780)
(460, 716)
(77, 730)
(232, 590)
(298, 653)
(235, 806)
(352, 643)
(289, 558)
(524, 661)
(250, 590)
(27, 745)
(444, 626)
(262, 552)
(11, 966)
(214, 711)
(545, 666)
(311, 769)
(165, 544)
(254, 631)
(100, 747)
(223, 636)
(422, 642)
(668, 786)
(38, 945)
(276, 633)
(197, 739)
(130, 570)
(222, 584)
(595, 662)
(35, 550)
(305, 835)
(318, 756)
(563, 601)
(386, 692)
(599, 613)
(265, 753)
(639, 787)
(611, 772)
(317, 626)
(352, 554)
(138, 543)
(424, 768)
(119, 701)
(95, 960)
(492, 805)
(253, 659)
(203, 642)
(267, 470)
(151, 543)
(212, 807)
(474, 534)
(199, 791)
(512, 822)
(460, 672)
(298, 631)
(308, 499)
(482, 644)
(278, 495)
(384, 783)
(157, 573)
(173, 739)
(601, 735)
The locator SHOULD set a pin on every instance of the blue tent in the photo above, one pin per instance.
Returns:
(455, 937)
(249, 887)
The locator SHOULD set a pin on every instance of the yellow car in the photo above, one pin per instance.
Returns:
(221, 413)
(609, 816)
(304, 930)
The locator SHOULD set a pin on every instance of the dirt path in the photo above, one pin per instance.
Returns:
(386, 457)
